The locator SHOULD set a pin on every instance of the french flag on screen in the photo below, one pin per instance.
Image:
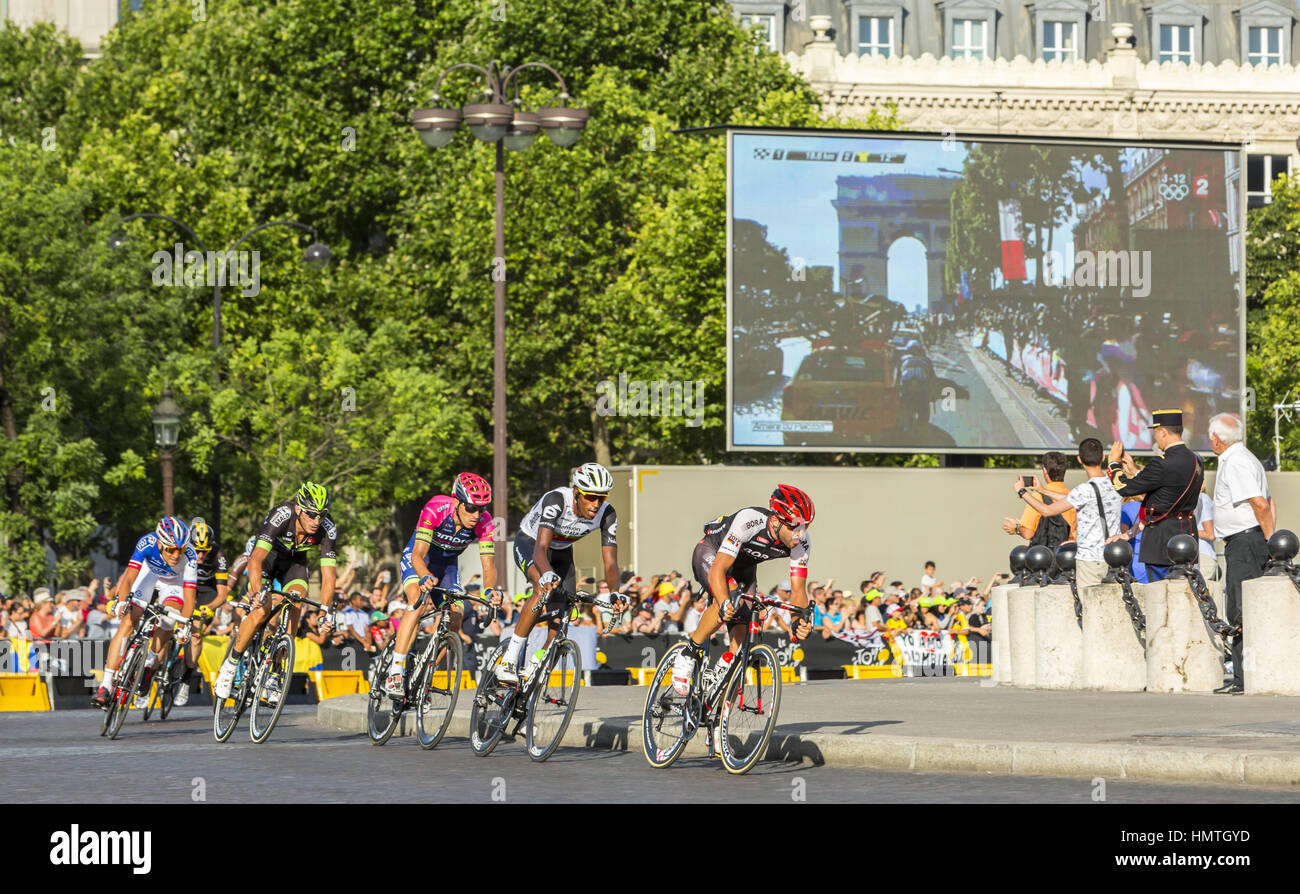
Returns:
(1013, 246)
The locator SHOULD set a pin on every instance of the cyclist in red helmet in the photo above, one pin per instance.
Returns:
(727, 558)
(446, 527)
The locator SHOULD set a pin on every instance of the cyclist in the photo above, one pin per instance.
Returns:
(163, 562)
(290, 529)
(728, 556)
(446, 527)
(544, 549)
(210, 594)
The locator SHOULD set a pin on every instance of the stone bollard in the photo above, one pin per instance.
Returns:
(1020, 635)
(1270, 609)
(1181, 654)
(1058, 642)
(1001, 633)
(1113, 656)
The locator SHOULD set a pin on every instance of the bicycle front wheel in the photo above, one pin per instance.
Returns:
(272, 689)
(132, 671)
(167, 695)
(493, 703)
(749, 711)
(381, 718)
(435, 692)
(227, 711)
(554, 699)
(668, 720)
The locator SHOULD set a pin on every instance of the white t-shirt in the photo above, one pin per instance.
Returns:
(66, 618)
(873, 617)
(663, 605)
(1205, 513)
(1240, 477)
(928, 580)
(1089, 533)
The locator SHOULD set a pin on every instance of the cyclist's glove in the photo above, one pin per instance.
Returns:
(548, 578)
(122, 607)
(182, 630)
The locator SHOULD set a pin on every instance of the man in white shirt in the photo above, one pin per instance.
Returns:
(1244, 517)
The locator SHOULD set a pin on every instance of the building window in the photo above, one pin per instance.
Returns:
(968, 41)
(1175, 44)
(1261, 170)
(1264, 45)
(764, 24)
(1060, 41)
(876, 36)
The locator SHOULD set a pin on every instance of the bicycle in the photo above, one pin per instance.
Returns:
(168, 679)
(539, 700)
(436, 670)
(132, 668)
(738, 709)
(262, 675)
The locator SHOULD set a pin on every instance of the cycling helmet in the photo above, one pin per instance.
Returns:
(313, 497)
(200, 534)
(593, 478)
(472, 489)
(791, 505)
(172, 533)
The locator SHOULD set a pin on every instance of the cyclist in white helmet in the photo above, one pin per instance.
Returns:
(544, 548)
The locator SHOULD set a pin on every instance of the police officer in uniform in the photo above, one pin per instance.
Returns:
(1170, 486)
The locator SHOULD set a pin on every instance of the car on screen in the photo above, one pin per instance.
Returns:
(841, 396)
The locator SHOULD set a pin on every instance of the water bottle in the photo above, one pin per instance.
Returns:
(723, 665)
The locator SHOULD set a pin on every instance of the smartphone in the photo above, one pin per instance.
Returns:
(386, 576)
(1027, 480)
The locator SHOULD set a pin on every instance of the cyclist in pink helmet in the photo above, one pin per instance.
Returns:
(446, 527)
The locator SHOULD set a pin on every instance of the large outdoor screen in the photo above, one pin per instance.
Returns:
(936, 294)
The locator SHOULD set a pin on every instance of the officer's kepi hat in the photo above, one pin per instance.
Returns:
(1167, 417)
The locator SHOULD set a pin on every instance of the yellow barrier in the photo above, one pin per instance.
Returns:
(788, 675)
(23, 692)
(971, 669)
(334, 683)
(871, 671)
(642, 676)
(567, 681)
(466, 680)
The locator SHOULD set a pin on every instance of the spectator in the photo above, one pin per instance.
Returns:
(832, 620)
(98, 622)
(1245, 517)
(1209, 562)
(16, 625)
(927, 579)
(669, 610)
(694, 613)
(871, 613)
(70, 621)
(223, 621)
(644, 620)
(1098, 513)
(979, 632)
(310, 628)
(380, 628)
(357, 622)
(778, 619)
(1058, 530)
(1131, 528)
(42, 622)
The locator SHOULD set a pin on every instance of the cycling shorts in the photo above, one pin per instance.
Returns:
(172, 597)
(561, 561)
(746, 579)
(444, 569)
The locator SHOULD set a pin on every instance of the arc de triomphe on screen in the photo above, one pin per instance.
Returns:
(876, 211)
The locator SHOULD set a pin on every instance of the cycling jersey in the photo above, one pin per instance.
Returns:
(555, 511)
(437, 527)
(212, 570)
(744, 536)
(155, 574)
(278, 535)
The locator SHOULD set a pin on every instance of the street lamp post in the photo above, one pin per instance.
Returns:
(166, 426)
(317, 256)
(506, 124)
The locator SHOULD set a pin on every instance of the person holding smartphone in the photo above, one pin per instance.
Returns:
(1055, 533)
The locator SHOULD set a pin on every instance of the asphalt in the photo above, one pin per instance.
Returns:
(957, 724)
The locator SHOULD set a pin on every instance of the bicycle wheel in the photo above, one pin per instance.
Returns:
(749, 711)
(554, 699)
(174, 674)
(381, 718)
(436, 691)
(133, 673)
(493, 703)
(274, 674)
(668, 720)
(227, 711)
(154, 694)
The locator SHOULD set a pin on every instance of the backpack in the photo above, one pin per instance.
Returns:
(1052, 530)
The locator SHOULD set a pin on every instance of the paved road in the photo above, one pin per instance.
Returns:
(59, 756)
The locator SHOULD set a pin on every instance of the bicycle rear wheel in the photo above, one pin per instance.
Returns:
(436, 691)
(132, 671)
(554, 699)
(668, 720)
(749, 712)
(227, 711)
(273, 676)
(174, 675)
(493, 703)
(381, 718)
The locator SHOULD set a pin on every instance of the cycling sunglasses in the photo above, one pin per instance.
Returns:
(595, 498)
(312, 515)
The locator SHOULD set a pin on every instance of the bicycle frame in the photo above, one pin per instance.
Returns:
(444, 627)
